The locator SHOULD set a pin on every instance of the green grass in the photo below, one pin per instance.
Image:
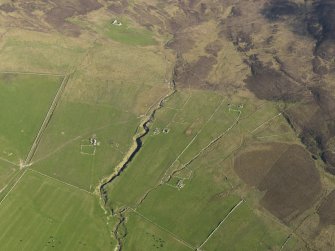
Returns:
(72, 120)
(22, 51)
(127, 78)
(293, 244)
(7, 172)
(197, 204)
(40, 213)
(108, 107)
(244, 231)
(208, 194)
(255, 116)
(59, 154)
(160, 151)
(114, 84)
(277, 130)
(220, 124)
(24, 102)
(205, 199)
(179, 99)
(143, 235)
(128, 34)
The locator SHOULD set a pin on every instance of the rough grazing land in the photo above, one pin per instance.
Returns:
(24, 102)
(287, 175)
(326, 210)
(57, 221)
(213, 123)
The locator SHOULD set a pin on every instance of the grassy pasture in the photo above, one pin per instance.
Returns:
(221, 123)
(60, 152)
(30, 51)
(256, 117)
(10, 183)
(276, 130)
(209, 187)
(165, 147)
(127, 78)
(24, 102)
(244, 230)
(112, 119)
(41, 214)
(128, 34)
(144, 235)
(197, 204)
(206, 197)
(178, 100)
(7, 172)
(117, 81)
(104, 100)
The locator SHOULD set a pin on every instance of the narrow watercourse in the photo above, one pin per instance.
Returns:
(142, 131)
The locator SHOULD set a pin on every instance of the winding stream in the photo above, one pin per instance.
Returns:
(134, 149)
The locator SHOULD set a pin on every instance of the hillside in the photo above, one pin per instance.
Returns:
(167, 125)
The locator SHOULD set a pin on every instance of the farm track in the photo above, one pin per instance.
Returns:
(34, 146)
(14, 185)
(47, 119)
(33, 73)
(205, 148)
(266, 122)
(70, 72)
(220, 223)
(25, 165)
(9, 162)
(195, 137)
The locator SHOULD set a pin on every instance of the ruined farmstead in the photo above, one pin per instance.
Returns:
(116, 22)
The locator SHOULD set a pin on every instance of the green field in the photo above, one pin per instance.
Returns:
(244, 230)
(180, 177)
(24, 102)
(123, 32)
(62, 151)
(165, 95)
(144, 235)
(71, 220)
(180, 135)
(7, 172)
(179, 210)
(128, 35)
(202, 133)
(26, 51)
